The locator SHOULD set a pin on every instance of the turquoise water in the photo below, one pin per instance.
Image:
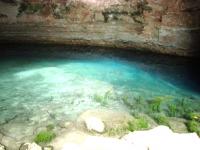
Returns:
(35, 92)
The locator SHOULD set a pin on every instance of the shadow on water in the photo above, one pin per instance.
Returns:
(181, 71)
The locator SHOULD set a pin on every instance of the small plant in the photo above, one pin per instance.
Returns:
(172, 110)
(194, 116)
(142, 123)
(100, 99)
(161, 119)
(136, 124)
(127, 101)
(139, 100)
(139, 124)
(155, 104)
(117, 131)
(44, 137)
(193, 126)
(184, 107)
(103, 99)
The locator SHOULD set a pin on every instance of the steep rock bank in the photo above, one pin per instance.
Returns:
(171, 27)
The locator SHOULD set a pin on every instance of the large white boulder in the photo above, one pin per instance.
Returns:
(94, 124)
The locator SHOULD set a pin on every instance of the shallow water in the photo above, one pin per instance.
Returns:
(35, 92)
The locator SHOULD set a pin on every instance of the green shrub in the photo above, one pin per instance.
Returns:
(44, 137)
(139, 124)
(161, 119)
(193, 126)
(142, 123)
(194, 116)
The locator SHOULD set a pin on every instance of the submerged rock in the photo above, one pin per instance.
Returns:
(30, 146)
(95, 124)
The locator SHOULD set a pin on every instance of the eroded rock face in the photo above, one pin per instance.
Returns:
(158, 25)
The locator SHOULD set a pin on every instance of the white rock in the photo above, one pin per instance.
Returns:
(106, 143)
(95, 124)
(2, 147)
(47, 148)
(71, 146)
(30, 146)
(102, 143)
(162, 138)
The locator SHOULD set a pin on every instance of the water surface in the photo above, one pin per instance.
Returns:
(37, 91)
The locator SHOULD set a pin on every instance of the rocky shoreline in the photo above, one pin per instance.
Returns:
(108, 128)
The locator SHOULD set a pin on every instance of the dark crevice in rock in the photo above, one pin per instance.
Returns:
(3, 16)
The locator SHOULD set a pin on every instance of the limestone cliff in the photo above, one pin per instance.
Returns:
(163, 26)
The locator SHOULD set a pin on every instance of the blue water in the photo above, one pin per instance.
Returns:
(35, 92)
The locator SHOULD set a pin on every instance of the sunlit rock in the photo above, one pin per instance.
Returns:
(30, 146)
(2, 147)
(94, 124)
(102, 143)
(111, 119)
(47, 148)
(162, 138)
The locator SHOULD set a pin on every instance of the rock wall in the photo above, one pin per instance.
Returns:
(171, 27)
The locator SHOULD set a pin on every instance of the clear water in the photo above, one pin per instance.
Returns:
(35, 92)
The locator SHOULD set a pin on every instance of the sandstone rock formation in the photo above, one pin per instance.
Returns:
(163, 26)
